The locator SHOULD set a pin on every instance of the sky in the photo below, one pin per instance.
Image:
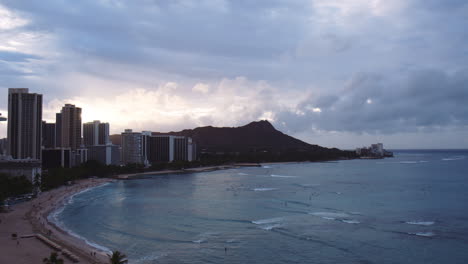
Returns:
(338, 73)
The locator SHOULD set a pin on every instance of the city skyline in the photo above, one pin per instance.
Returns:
(334, 73)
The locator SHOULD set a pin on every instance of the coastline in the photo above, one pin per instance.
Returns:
(31, 217)
(34, 217)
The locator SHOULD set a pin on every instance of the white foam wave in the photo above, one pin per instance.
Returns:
(310, 185)
(266, 167)
(268, 221)
(199, 241)
(424, 223)
(329, 214)
(328, 218)
(423, 234)
(282, 176)
(350, 221)
(270, 227)
(264, 189)
(454, 158)
(242, 174)
(150, 258)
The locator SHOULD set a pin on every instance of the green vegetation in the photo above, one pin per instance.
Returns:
(53, 259)
(12, 186)
(117, 258)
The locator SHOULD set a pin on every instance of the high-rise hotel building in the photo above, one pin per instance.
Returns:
(24, 124)
(95, 133)
(133, 147)
(70, 127)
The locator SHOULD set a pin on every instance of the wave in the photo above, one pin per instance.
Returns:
(268, 221)
(424, 223)
(350, 221)
(264, 189)
(282, 176)
(454, 158)
(309, 185)
(266, 167)
(203, 237)
(271, 227)
(150, 258)
(329, 215)
(423, 234)
(242, 174)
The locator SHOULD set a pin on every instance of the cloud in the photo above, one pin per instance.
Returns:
(201, 88)
(313, 67)
(371, 103)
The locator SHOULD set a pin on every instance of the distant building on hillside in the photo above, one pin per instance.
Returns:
(24, 124)
(374, 151)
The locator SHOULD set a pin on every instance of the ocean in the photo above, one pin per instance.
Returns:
(412, 208)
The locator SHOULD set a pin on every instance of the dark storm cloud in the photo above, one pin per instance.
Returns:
(425, 99)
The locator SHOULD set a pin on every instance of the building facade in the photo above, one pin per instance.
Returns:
(95, 133)
(105, 154)
(133, 147)
(168, 148)
(24, 124)
(3, 146)
(58, 130)
(48, 135)
(70, 127)
(31, 169)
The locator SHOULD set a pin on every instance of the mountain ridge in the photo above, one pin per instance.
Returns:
(258, 140)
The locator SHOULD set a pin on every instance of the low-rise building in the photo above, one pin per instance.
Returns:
(30, 168)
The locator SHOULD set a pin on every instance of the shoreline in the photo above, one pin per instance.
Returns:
(56, 199)
(34, 217)
(31, 218)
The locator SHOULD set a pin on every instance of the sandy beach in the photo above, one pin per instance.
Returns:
(30, 218)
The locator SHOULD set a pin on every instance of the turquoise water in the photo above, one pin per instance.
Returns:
(409, 209)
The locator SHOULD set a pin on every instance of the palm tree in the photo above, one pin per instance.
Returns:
(53, 259)
(117, 258)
